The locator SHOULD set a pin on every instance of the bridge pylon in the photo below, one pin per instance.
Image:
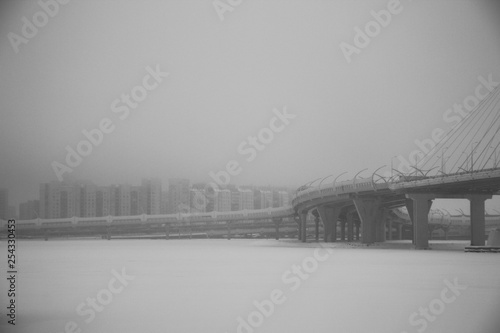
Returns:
(477, 218)
(418, 208)
(368, 209)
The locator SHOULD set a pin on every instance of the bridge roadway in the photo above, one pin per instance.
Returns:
(372, 200)
(362, 200)
(276, 215)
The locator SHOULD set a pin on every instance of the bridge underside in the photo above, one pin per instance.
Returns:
(369, 218)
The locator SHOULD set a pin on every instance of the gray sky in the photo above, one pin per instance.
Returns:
(225, 78)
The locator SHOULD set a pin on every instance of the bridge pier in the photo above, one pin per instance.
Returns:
(368, 210)
(380, 225)
(277, 228)
(167, 231)
(228, 226)
(420, 207)
(342, 230)
(299, 229)
(350, 225)
(316, 227)
(329, 218)
(409, 208)
(477, 218)
(303, 226)
(389, 226)
(400, 231)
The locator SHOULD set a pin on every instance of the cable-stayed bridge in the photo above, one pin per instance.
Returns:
(464, 164)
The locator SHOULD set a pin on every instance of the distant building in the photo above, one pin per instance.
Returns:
(222, 200)
(85, 199)
(178, 195)
(198, 200)
(60, 200)
(164, 202)
(12, 212)
(29, 210)
(124, 199)
(246, 199)
(280, 198)
(103, 202)
(235, 199)
(86, 195)
(262, 199)
(150, 199)
(4, 204)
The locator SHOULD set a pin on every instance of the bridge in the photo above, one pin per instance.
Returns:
(227, 220)
(470, 153)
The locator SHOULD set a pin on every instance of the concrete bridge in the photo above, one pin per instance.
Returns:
(369, 202)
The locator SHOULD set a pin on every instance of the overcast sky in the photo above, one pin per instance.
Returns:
(225, 78)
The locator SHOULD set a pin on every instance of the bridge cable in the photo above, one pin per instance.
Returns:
(456, 132)
(469, 124)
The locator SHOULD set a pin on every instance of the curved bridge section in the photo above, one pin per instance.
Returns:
(271, 214)
(368, 203)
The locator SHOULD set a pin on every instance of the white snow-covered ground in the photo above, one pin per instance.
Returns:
(211, 286)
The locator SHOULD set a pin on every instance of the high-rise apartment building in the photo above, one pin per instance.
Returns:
(4, 204)
(151, 196)
(178, 195)
(246, 199)
(29, 210)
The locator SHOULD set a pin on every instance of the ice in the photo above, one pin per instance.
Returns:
(206, 285)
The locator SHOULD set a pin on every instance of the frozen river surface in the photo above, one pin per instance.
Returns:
(245, 286)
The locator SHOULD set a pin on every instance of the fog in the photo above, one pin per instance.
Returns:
(227, 80)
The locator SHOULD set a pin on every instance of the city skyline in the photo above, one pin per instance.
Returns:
(267, 99)
(87, 199)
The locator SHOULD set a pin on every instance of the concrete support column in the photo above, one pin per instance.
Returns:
(333, 216)
(350, 225)
(329, 216)
(342, 230)
(389, 226)
(367, 209)
(477, 218)
(421, 206)
(400, 231)
(380, 225)
(303, 222)
(277, 228)
(322, 212)
(316, 225)
(167, 231)
(299, 228)
(409, 208)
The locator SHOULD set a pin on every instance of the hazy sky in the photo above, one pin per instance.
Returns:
(225, 77)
